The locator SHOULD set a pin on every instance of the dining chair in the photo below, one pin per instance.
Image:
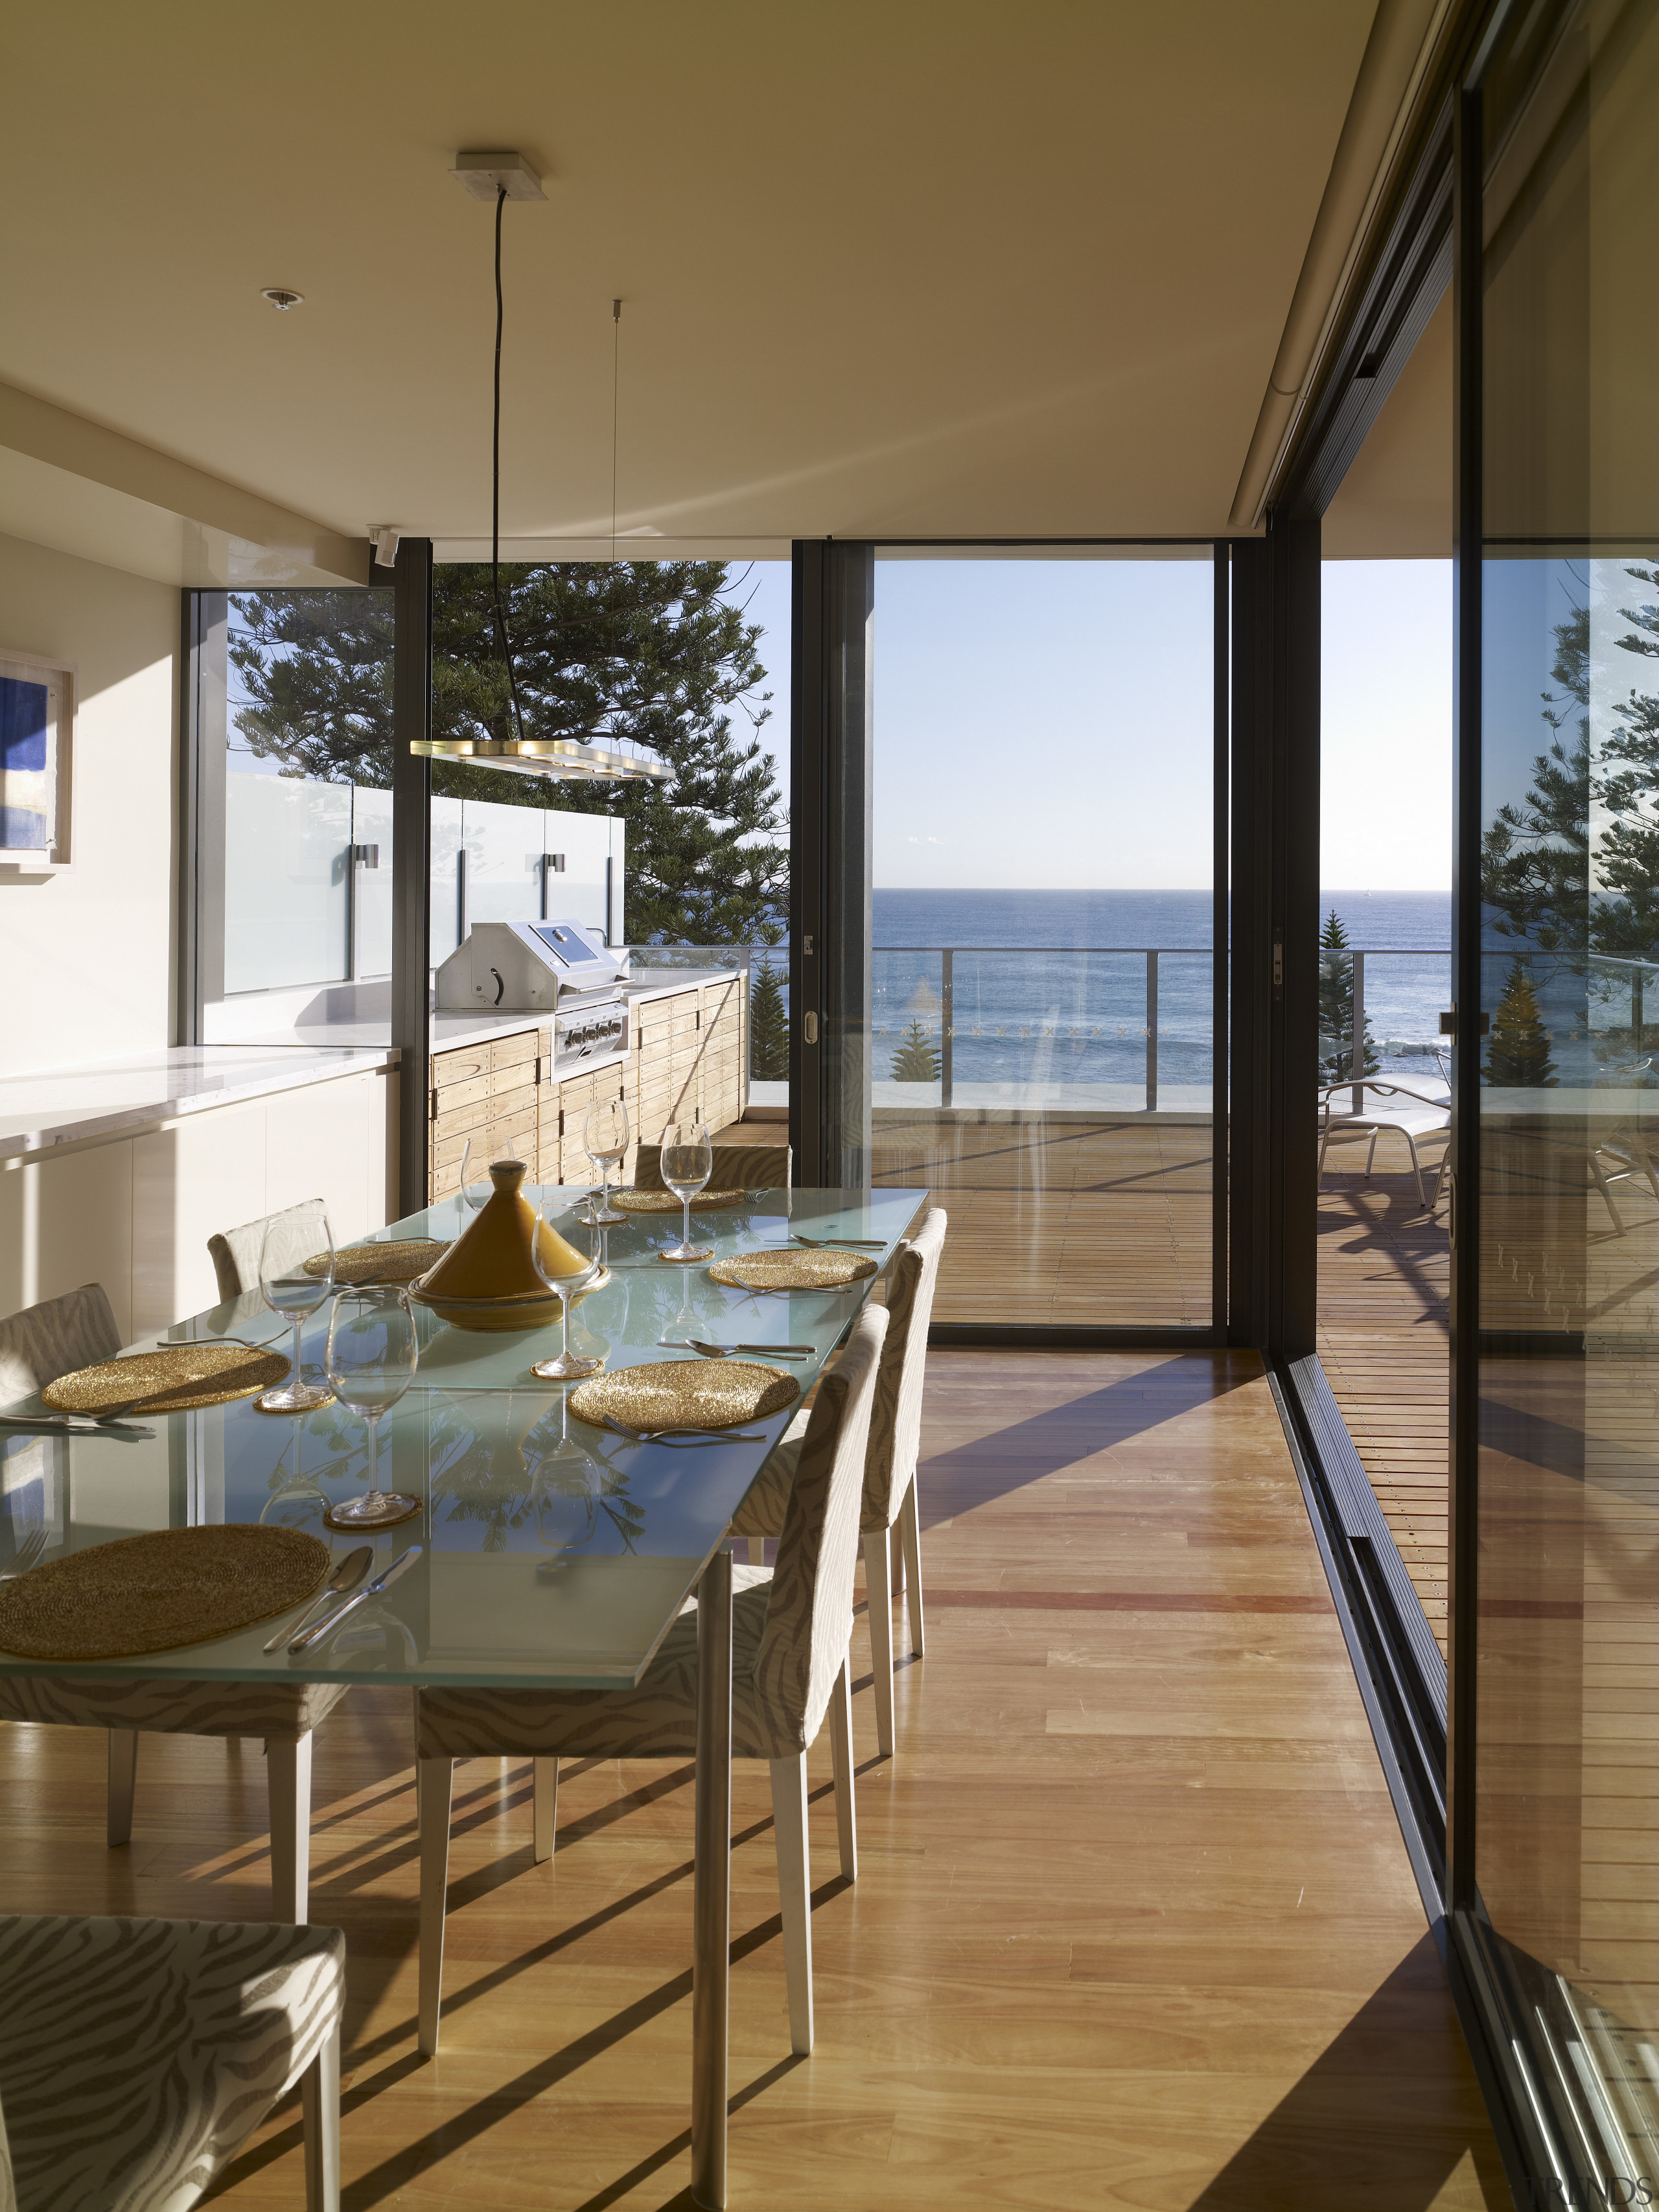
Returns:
(36, 1347)
(736, 1167)
(236, 1253)
(136, 2056)
(790, 1632)
(890, 1474)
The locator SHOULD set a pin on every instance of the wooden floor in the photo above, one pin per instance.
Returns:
(1090, 1223)
(1134, 1927)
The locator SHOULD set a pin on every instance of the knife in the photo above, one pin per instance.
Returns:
(331, 1621)
(344, 1580)
(71, 1428)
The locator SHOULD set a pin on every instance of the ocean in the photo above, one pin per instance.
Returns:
(1052, 993)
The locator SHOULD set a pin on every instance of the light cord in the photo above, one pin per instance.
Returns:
(501, 637)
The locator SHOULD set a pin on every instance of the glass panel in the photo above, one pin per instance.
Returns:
(1043, 1024)
(1568, 909)
(298, 826)
(1384, 978)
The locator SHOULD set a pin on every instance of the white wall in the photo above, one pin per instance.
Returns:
(134, 1211)
(87, 955)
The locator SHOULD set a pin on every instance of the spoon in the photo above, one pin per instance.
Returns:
(346, 1576)
(720, 1350)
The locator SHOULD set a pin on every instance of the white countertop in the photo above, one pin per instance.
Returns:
(63, 1105)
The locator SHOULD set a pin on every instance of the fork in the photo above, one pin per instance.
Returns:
(662, 1436)
(830, 1243)
(29, 1553)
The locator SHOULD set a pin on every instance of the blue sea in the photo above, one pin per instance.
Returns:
(1052, 993)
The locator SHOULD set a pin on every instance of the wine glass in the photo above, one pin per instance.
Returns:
(566, 1366)
(473, 1195)
(371, 1360)
(686, 1160)
(289, 1289)
(604, 1136)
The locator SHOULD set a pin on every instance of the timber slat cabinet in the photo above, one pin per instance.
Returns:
(689, 1063)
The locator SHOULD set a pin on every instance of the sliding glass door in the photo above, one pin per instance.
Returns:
(1558, 1222)
(1042, 1025)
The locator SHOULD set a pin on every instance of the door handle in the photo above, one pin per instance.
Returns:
(809, 1028)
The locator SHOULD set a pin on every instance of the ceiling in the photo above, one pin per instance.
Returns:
(939, 268)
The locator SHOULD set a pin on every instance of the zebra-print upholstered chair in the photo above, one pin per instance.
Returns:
(736, 1167)
(890, 1472)
(36, 1347)
(789, 1671)
(136, 2056)
(236, 1253)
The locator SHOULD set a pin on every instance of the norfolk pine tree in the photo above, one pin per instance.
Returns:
(634, 655)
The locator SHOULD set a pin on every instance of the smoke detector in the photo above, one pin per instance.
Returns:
(485, 174)
(280, 296)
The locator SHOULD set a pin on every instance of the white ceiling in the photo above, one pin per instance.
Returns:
(898, 267)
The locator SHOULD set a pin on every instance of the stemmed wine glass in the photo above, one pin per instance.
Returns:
(604, 1136)
(371, 1360)
(686, 1159)
(289, 1289)
(566, 1366)
(472, 1195)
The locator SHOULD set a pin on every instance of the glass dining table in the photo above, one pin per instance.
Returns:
(554, 1555)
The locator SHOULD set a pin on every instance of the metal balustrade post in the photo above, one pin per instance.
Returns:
(1151, 1032)
(1637, 994)
(1357, 1061)
(947, 994)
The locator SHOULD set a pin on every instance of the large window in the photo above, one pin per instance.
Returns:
(1563, 902)
(1043, 1024)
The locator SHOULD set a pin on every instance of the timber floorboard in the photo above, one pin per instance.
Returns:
(1133, 1925)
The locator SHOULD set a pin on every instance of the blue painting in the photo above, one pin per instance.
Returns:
(29, 767)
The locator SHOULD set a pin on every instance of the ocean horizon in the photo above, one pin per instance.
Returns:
(1052, 992)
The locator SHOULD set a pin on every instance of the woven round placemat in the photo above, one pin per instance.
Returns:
(159, 1592)
(793, 1270)
(176, 1379)
(664, 1201)
(398, 1261)
(704, 1394)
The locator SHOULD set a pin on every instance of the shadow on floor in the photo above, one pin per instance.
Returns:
(1007, 1459)
(1353, 2132)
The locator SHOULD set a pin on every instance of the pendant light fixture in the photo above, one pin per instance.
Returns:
(502, 177)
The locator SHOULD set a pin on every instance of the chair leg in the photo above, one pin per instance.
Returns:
(1411, 1146)
(123, 1775)
(910, 1531)
(319, 2109)
(757, 1551)
(878, 1590)
(288, 1777)
(1370, 1155)
(434, 1781)
(415, 1699)
(795, 1890)
(841, 1759)
(545, 1791)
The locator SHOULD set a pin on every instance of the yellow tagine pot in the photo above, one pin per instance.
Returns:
(487, 1278)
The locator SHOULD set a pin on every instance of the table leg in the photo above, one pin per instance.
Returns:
(712, 1903)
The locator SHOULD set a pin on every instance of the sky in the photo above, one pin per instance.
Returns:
(1047, 723)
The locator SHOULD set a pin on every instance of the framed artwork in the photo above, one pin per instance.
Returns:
(36, 735)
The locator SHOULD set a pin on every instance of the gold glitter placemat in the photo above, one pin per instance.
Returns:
(664, 1201)
(704, 1394)
(793, 1270)
(159, 1592)
(398, 1261)
(177, 1379)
